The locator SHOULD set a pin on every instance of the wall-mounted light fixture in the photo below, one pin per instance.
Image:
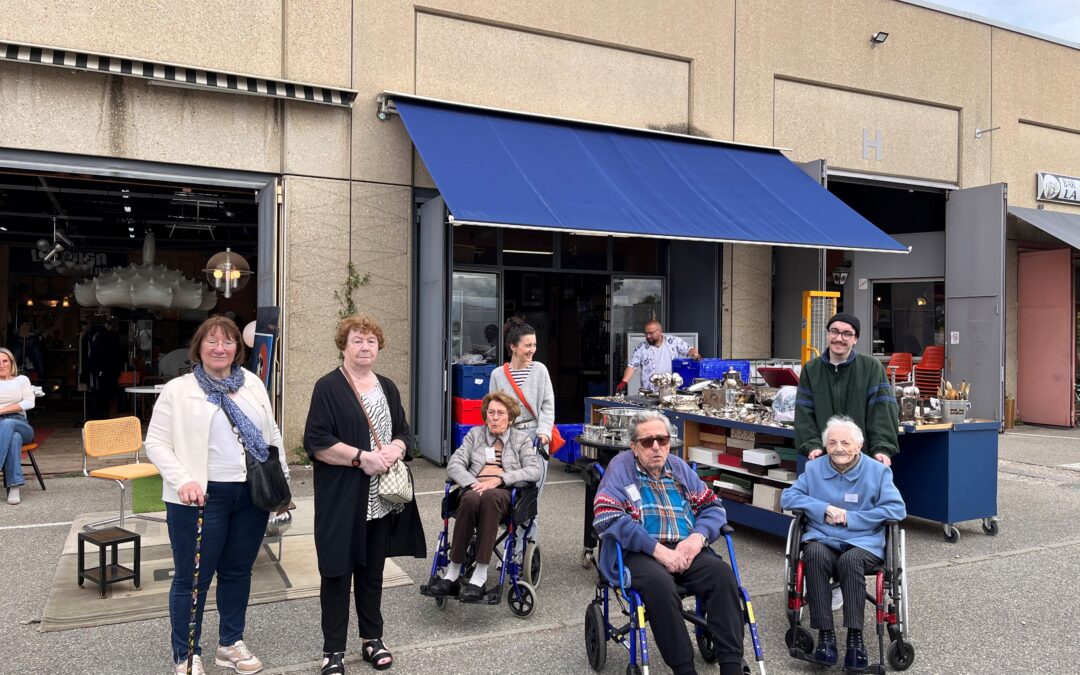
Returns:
(386, 107)
(878, 37)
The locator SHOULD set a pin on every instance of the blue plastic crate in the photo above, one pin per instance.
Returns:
(715, 368)
(471, 382)
(687, 369)
(459, 431)
(571, 451)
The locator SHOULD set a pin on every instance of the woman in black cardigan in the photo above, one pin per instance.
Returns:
(355, 530)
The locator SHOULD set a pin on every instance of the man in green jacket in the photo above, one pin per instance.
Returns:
(842, 382)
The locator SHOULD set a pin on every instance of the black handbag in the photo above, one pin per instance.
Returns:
(269, 487)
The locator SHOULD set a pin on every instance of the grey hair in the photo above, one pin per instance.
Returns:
(842, 421)
(648, 416)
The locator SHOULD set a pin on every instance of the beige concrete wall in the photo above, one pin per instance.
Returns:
(112, 116)
(931, 60)
(1035, 104)
(866, 132)
(316, 234)
(242, 36)
(318, 41)
(607, 61)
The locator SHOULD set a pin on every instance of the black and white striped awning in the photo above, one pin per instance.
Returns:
(167, 73)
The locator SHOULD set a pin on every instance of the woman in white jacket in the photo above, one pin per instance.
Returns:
(203, 462)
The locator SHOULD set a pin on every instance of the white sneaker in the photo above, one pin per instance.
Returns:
(196, 667)
(837, 599)
(239, 658)
(13, 496)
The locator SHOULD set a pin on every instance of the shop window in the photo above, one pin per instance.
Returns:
(582, 252)
(528, 248)
(638, 255)
(908, 316)
(474, 245)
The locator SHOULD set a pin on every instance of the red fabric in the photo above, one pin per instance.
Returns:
(557, 441)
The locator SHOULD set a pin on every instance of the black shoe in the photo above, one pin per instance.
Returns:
(826, 648)
(443, 587)
(471, 593)
(855, 659)
(335, 664)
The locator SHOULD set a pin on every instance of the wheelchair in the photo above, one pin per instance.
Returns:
(599, 628)
(524, 568)
(890, 600)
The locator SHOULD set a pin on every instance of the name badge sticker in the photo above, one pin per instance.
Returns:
(632, 491)
(489, 453)
(851, 498)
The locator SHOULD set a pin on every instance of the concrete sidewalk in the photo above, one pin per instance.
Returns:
(983, 605)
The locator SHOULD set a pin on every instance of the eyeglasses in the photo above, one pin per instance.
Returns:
(497, 413)
(227, 344)
(847, 334)
(648, 441)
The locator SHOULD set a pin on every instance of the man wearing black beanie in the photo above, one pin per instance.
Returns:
(843, 382)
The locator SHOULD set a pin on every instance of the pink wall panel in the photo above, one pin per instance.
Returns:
(1045, 340)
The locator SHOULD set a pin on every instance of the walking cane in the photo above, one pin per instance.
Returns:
(195, 590)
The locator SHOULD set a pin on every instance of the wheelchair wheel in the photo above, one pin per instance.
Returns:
(746, 668)
(440, 601)
(522, 599)
(799, 638)
(900, 655)
(532, 568)
(595, 636)
(705, 646)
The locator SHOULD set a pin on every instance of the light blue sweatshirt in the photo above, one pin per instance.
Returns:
(865, 491)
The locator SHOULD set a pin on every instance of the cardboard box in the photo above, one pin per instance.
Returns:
(701, 455)
(743, 435)
(743, 443)
(782, 474)
(767, 497)
(761, 457)
(719, 439)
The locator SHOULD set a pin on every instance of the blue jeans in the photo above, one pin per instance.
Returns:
(233, 530)
(15, 432)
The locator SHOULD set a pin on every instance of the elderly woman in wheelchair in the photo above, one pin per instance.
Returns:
(844, 504)
(656, 518)
(493, 470)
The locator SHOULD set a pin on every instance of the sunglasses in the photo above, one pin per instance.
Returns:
(648, 441)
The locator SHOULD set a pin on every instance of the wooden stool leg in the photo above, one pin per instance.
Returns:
(82, 568)
(138, 566)
(37, 470)
(101, 570)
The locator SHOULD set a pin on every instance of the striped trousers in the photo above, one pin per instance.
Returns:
(822, 564)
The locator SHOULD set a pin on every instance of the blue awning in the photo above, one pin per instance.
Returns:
(514, 170)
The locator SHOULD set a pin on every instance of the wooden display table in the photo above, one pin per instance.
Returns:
(105, 574)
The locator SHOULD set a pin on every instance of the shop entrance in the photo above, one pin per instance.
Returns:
(102, 282)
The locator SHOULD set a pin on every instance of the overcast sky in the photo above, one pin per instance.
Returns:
(1057, 18)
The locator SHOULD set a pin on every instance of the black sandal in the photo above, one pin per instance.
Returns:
(335, 664)
(375, 651)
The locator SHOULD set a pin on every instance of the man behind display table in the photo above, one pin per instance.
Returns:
(654, 355)
(843, 382)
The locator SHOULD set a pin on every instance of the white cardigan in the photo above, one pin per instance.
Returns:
(178, 438)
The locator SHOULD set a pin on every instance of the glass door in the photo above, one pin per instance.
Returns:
(634, 300)
(475, 325)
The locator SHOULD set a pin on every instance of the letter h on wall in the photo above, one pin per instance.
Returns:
(877, 144)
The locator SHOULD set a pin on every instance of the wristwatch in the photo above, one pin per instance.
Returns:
(356, 460)
(704, 539)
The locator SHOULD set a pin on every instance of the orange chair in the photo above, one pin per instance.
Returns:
(928, 371)
(899, 368)
(108, 438)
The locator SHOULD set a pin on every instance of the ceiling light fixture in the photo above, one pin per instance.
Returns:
(127, 208)
(227, 272)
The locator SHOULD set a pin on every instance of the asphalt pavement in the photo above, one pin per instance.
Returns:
(985, 604)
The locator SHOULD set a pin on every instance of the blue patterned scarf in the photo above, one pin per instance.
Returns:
(217, 392)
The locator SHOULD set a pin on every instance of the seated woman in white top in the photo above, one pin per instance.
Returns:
(16, 397)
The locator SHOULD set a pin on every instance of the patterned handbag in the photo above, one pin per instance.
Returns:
(396, 485)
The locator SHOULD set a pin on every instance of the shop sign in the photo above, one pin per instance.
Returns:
(1054, 187)
(66, 263)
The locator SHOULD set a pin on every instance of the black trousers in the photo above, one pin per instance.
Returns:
(709, 577)
(367, 583)
(849, 569)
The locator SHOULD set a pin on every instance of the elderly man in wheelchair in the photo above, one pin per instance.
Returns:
(492, 462)
(844, 504)
(664, 517)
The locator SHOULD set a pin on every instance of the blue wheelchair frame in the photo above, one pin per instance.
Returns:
(633, 635)
(522, 597)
